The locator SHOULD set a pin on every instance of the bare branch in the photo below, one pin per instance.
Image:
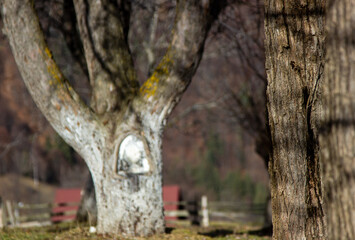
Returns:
(174, 72)
(104, 35)
(148, 46)
(52, 93)
(197, 107)
(9, 146)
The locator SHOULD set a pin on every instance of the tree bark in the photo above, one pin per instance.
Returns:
(294, 65)
(109, 61)
(87, 211)
(131, 204)
(120, 136)
(338, 126)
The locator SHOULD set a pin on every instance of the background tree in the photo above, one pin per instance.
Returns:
(241, 29)
(294, 66)
(338, 127)
(239, 93)
(128, 203)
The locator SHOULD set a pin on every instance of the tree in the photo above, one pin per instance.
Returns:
(294, 48)
(246, 102)
(119, 134)
(240, 37)
(337, 127)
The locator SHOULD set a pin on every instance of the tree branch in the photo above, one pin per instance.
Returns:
(61, 105)
(162, 91)
(104, 32)
(7, 147)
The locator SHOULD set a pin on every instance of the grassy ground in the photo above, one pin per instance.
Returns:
(74, 231)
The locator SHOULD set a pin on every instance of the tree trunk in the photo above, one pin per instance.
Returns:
(338, 127)
(132, 199)
(294, 63)
(119, 136)
(134, 210)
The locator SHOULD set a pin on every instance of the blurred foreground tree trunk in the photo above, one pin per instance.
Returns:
(294, 48)
(337, 135)
(120, 134)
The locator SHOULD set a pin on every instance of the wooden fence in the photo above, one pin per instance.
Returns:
(25, 215)
(237, 211)
(186, 213)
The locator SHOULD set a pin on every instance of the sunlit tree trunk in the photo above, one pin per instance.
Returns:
(119, 135)
(337, 136)
(294, 65)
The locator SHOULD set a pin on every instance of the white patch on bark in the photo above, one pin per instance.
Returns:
(132, 156)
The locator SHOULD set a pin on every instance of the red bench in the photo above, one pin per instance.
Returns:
(66, 204)
(171, 198)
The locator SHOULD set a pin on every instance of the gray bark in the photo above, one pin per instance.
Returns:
(110, 64)
(338, 126)
(294, 65)
(128, 188)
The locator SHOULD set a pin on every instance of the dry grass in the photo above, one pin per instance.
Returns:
(74, 231)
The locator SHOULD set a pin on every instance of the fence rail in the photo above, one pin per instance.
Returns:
(20, 215)
(187, 212)
(235, 206)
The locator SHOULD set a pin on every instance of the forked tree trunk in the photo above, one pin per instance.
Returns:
(294, 65)
(337, 136)
(119, 136)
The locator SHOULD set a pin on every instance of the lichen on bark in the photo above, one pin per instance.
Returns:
(149, 88)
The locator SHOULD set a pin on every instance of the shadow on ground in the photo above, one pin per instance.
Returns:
(168, 230)
(217, 233)
(266, 231)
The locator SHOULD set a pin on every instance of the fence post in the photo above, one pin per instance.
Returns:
(10, 213)
(205, 220)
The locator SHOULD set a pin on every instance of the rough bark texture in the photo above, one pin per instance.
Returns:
(294, 65)
(109, 61)
(128, 202)
(338, 127)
